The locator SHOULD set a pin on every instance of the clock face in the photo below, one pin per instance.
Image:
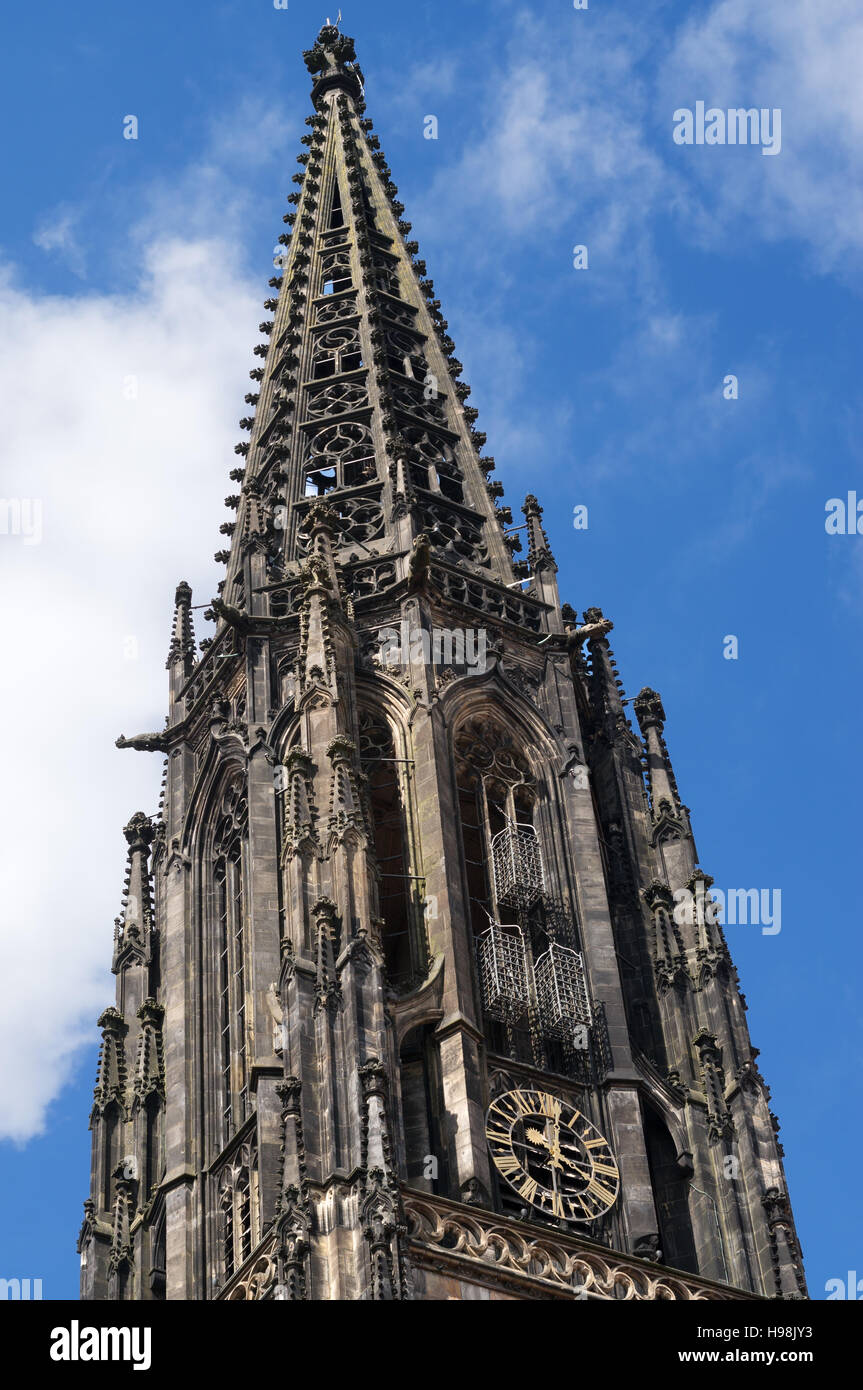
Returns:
(551, 1155)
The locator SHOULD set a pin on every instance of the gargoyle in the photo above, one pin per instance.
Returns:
(145, 743)
(575, 637)
(232, 616)
(418, 567)
(587, 630)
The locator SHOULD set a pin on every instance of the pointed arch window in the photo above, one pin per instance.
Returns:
(386, 275)
(670, 1180)
(337, 216)
(436, 468)
(446, 476)
(112, 1120)
(423, 1110)
(223, 939)
(244, 1217)
(405, 355)
(496, 791)
(401, 909)
(238, 1208)
(239, 980)
(229, 1261)
(154, 1161)
(531, 976)
(339, 455)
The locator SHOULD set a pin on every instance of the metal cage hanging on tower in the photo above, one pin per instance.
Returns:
(563, 998)
(517, 865)
(503, 973)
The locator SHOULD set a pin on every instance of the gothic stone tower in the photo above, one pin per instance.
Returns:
(405, 1004)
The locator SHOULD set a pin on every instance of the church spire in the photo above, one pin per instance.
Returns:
(314, 1011)
(358, 397)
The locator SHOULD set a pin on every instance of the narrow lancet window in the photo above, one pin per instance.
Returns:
(389, 778)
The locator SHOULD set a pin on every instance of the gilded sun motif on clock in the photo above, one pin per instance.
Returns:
(552, 1156)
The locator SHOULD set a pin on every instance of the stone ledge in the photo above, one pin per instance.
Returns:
(524, 1261)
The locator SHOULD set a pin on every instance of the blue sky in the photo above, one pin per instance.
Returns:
(149, 259)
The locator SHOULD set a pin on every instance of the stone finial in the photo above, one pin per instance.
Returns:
(648, 709)
(332, 62)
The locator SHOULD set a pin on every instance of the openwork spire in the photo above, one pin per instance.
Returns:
(358, 395)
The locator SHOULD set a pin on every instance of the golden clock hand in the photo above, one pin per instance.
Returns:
(574, 1163)
(553, 1146)
(538, 1137)
(556, 1155)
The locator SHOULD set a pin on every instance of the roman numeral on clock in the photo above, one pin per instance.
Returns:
(558, 1163)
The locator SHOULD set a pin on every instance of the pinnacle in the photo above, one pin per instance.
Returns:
(182, 647)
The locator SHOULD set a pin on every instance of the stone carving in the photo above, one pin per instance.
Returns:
(338, 398)
(474, 1245)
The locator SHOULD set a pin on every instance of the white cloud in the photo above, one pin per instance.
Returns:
(57, 233)
(399, 92)
(579, 135)
(803, 58)
(132, 493)
(562, 147)
(575, 146)
(131, 489)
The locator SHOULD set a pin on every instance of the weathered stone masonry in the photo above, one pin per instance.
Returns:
(312, 1017)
